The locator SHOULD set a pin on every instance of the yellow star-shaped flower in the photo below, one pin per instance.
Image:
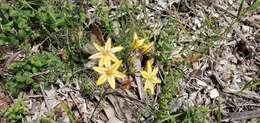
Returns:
(136, 43)
(105, 54)
(151, 76)
(109, 74)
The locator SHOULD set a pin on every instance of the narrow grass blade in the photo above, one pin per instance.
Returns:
(240, 8)
(65, 107)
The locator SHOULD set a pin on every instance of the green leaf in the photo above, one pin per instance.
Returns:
(8, 26)
(21, 22)
(65, 107)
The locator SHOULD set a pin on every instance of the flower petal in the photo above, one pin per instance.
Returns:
(100, 69)
(101, 62)
(156, 80)
(95, 56)
(149, 65)
(151, 87)
(155, 71)
(146, 85)
(102, 79)
(145, 74)
(116, 49)
(119, 74)
(113, 57)
(107, 61)
(115, 66)
(99, 48)
(135, 41)
(112, 82)
(108, 44)
(140, 42)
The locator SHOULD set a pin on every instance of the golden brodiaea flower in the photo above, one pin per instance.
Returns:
(109, 74)
(136, 43)
(151, 76)
(105, 54)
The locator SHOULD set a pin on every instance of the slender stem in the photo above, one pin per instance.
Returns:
(103, 94)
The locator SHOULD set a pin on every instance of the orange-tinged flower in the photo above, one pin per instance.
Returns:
(151, 76)
(105, 54)
(136, 43)
(148, 47)
(109, 73)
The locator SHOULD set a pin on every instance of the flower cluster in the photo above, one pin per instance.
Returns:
(149, 74)
(109, 63)
(106, 56)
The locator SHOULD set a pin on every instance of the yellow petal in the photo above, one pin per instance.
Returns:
(99, 48)
(155, 71)
(146, 85)
(99, 69)
(119, 74)
(102, 79)
(140, 42)
(108, 44)
(101, 62)
(145, 74)
(95, 56)
(156, 80)
(113, 57)
(116, 65)
(112, 82)
(107, 61)
(149, 66)
(135, 41)
(116, 49)
(151, 87)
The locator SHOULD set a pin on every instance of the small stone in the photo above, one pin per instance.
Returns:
(213, 93)
(201, 83)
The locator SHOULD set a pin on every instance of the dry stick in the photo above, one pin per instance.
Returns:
(138, 79)
(245, 115)
(44, 96)
(72, 98)
(103, 94)
(246, 94)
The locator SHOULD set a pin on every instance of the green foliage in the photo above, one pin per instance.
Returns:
(48, 118)
(251, 84)
(168, 91)
(16, 112)
(26, 20)
(23, 74)
(194, 115)
(88, 90)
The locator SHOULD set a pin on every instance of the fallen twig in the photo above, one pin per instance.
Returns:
(44, 96)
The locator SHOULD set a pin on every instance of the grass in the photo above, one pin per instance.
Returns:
(62, 27)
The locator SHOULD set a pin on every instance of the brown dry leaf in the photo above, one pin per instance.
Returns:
(114, 101)
(127, 83)
(95, 36)
(63, 55)
(110, 113)
(4, 101)
(12, 58)
(193, 57)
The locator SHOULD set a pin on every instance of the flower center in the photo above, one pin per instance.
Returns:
(105, 53)
(109, 72)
